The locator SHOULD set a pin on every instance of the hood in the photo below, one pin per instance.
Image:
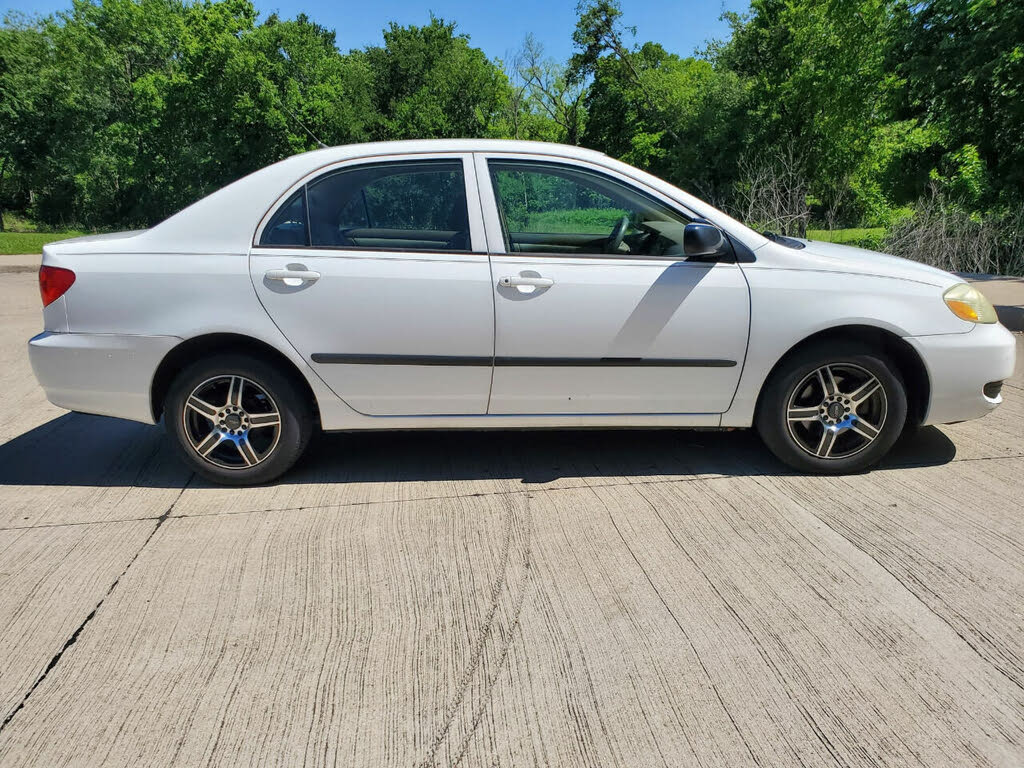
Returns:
(832, 257)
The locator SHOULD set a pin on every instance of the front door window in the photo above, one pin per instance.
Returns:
(547, 208)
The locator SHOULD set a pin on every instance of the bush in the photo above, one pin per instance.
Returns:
(943, 234)
(585, 220)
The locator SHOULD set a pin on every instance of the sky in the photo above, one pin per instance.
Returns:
(496, 26)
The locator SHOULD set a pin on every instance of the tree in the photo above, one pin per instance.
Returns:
(21, 50)
(820, 84)
(429, 82)
(547, 92)
(678, 117)
(964, 66)
(119, 112)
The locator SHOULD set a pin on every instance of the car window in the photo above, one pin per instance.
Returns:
(551, 208)
(288, 227)
(408, 206)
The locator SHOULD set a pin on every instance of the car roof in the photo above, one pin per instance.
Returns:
(414, 146)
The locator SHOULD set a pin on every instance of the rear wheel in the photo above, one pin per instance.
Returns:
(236, 420)
(833, 408)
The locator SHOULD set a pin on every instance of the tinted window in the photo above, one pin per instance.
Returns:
(548, 208)
(396, 206)
(288, 227)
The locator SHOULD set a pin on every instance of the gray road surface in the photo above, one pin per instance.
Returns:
(563, 598)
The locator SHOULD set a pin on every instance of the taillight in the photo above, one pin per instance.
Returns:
(54, 283)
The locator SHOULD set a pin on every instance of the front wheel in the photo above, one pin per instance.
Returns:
(237, 420)
(833, 409)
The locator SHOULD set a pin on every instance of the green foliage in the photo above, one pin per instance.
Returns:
(534, 201)
(679, 118)
(119, 112)
(429, 82)
(962, 175)
(116, 113)
(545, 102)
(15, 243)
(870, 238)
(819, 85)
(598, 221)
(963, 62)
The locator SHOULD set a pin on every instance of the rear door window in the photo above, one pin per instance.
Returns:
(288, 227)
(402, 206)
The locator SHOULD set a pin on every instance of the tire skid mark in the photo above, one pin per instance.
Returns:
(505, 644)
(768, 473)
(486, 631)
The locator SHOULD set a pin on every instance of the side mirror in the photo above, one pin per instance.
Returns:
(704, 241)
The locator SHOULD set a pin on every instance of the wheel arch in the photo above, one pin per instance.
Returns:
(196, 347)
(911, 366)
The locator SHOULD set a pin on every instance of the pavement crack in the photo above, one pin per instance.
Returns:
(73, 638)
(79, 523)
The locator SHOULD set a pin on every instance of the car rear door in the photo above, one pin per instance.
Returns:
(376, 271)
(585, 324)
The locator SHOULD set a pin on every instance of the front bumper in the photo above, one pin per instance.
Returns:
(960, 365)
(105, 374)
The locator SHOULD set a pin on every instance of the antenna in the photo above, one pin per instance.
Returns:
(320, 144)
(277, 93)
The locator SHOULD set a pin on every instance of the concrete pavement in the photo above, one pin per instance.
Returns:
(504, 599)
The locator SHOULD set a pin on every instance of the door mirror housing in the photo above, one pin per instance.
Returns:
(703, 241)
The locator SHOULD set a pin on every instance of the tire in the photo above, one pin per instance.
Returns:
(807, 418)
(224, 407)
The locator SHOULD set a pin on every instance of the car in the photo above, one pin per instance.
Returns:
(485, 284)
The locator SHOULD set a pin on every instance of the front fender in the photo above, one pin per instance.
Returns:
(788, 306)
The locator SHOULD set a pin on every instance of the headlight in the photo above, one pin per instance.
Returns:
(966, 302)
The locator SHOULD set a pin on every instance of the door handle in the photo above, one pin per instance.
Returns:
(292, 276)
(535, 282)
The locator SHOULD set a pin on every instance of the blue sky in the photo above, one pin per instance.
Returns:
(496, 26)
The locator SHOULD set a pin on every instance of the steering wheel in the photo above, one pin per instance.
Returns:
(615, 238)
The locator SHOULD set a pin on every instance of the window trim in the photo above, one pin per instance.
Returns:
(473, 209)
(493, 218)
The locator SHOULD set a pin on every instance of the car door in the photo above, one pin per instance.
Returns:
(597, 310)
(376, 272)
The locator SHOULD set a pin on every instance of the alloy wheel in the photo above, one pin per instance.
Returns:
(836, 411)
(231, 422)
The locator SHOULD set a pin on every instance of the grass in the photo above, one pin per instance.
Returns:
(12, 243)
(870, 237)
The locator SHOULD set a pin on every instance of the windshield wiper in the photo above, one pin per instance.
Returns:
(789, 242)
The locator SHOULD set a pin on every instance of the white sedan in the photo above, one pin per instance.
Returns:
(506, 285)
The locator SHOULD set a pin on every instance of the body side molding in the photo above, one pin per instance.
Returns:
(330, 358)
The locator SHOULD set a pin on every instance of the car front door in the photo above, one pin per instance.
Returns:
(377, 273)
(597, 310)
